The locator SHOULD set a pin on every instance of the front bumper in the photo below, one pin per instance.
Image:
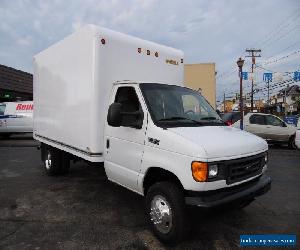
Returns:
(215, 198)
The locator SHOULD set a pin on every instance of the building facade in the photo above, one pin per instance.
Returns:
(15, 85)
(286, 98)
(202, 77)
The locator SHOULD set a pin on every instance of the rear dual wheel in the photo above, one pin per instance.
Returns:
(55, 161)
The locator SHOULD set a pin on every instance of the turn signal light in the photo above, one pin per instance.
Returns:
(200, 171)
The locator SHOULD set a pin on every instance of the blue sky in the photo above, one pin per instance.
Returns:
(207, 31)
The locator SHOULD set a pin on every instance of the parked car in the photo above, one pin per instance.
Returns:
(15, 117)
(269, 127)
(297, 137)
(231, 117)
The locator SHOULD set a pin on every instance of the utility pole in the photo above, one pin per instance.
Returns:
(253, 55)
(224, 103)
(268, 86)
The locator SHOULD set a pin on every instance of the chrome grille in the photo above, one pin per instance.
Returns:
(244, 168)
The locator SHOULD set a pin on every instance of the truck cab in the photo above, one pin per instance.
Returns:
(167, 143)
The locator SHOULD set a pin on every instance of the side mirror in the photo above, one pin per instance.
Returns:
(114, 116)
(284, 124)
(135, 119)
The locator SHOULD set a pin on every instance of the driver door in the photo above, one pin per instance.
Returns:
(125, 144)
(275, 129)
(257, 125)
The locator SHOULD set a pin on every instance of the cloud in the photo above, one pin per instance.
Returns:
(207, 31)
(25, 41)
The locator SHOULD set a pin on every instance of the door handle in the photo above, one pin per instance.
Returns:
(107, 143)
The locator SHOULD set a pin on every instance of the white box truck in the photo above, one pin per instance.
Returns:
(103, 96)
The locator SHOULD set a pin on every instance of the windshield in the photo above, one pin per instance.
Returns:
(171, 105)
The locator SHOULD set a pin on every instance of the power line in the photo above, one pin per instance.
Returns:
(281, 58)
(275, 35)
(283, 24)
(279, 38)
(278, 53)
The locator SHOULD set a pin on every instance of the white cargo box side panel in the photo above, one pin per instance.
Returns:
(63, 89)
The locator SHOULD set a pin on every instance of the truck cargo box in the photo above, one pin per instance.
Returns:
(73, 79)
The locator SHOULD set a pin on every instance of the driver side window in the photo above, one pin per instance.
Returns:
(130, 103)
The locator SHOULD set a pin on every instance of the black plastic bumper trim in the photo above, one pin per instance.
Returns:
(215, 198)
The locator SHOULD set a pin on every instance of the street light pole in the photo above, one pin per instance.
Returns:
(240, 64)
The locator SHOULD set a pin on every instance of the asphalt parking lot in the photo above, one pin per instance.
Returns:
(85, 211)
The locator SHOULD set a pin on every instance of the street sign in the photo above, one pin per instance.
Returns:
(292, 120)
(267, 77)
(296, 76)
(245, 75)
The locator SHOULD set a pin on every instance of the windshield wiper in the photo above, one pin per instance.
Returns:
(174, 118)
(212, 118)
(209, 118)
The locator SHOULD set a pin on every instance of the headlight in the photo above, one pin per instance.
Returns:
(266, 158)
(212, 171)
(202, 171)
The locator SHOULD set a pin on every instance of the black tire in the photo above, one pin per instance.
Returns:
(167, 195)
(292, 144)
(52, 160)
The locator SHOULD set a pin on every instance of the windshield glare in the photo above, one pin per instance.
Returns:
(174, 104)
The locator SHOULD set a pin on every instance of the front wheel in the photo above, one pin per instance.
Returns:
(166, 212)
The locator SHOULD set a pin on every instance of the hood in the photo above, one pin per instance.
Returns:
(222, 141)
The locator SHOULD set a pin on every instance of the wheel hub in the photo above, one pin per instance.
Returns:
(48, 161)
(161, 214)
